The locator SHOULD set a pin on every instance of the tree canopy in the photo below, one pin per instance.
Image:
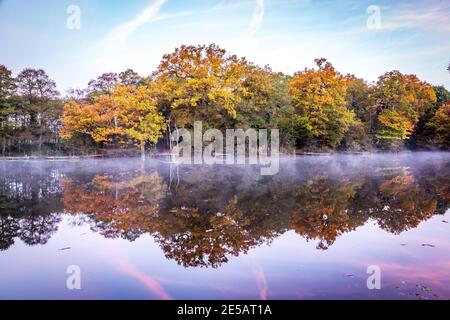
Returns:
(127, 115)
(321, 116)
(317, 109)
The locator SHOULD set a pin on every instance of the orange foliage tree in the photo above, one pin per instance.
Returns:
(126, 114)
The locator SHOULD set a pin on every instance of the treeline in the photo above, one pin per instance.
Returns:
(316, 109)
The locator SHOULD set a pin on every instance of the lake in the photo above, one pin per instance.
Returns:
(167, 231)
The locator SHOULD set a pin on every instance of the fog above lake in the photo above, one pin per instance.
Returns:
(320, 197)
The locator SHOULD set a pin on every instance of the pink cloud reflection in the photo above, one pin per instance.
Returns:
(149, 282)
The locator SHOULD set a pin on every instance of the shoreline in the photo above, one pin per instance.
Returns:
(31, 158)
(153, 155)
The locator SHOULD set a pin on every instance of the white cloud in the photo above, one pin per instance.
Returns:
(111, 53)
(353, 49)
(123, 31)
(247, 42)
(257, 18)
(415, 17)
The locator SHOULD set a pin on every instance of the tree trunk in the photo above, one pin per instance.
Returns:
(143, 151)
(40, 145)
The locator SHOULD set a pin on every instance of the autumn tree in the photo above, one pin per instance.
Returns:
(319, 98)
(359, 101)
(316, 109)
(440, 123)
(264, 99)
(400, 101)
(424, 134)
(200, 83)
(139, 119)
(79, 122)
(127, 115)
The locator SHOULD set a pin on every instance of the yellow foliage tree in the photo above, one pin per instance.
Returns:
(319, 98)
(127, 114)
(394, 125)
(400, 100)
(200, 83)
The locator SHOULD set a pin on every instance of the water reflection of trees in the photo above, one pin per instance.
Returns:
(323, 209)
(30, 207)
(122, 208)
(204, 222)
(207, 216)
(403, 204)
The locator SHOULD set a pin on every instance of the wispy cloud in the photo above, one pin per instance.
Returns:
(247, 41)
(124, 30)
(257, 18)
(418, 17)
(111, 53)
(286, 34)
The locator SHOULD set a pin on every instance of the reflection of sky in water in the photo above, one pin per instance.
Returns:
(288, 267)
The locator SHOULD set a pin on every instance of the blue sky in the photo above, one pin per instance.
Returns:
(413, 36)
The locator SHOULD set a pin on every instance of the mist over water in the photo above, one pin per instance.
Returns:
(160, 230)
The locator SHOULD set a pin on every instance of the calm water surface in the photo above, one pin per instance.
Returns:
(162, 231)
